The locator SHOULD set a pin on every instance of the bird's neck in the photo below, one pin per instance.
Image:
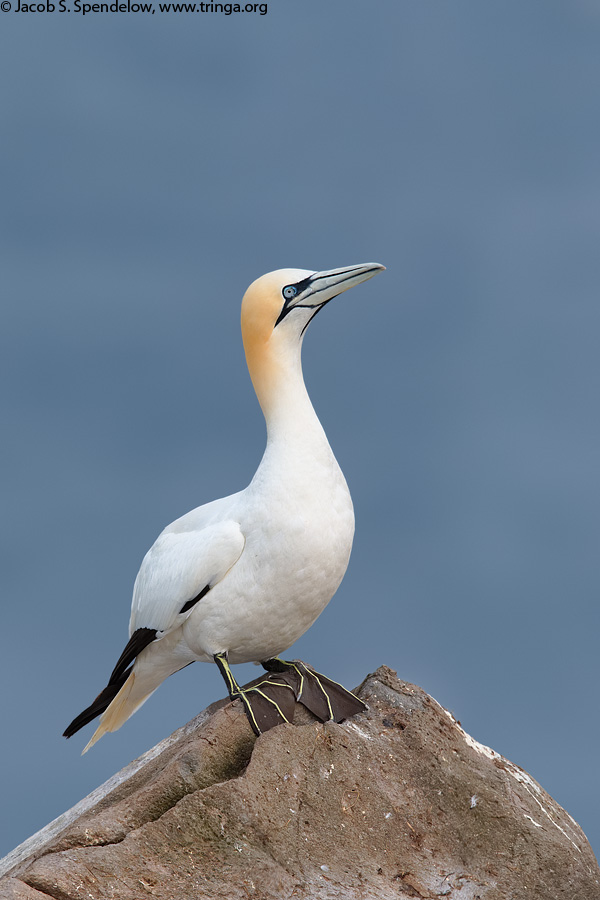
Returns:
(276, 374)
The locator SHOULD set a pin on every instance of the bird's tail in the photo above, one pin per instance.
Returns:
(141, 668)
(129, 699)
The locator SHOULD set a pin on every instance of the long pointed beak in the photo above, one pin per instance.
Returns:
(319, 288)
(324, 286)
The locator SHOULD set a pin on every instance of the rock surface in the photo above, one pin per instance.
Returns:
(396, 803)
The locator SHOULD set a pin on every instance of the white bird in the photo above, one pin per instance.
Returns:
(240, 579)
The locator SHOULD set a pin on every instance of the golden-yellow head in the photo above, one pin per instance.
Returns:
(294, 297)
(277, 309)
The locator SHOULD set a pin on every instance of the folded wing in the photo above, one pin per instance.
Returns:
(176, 573)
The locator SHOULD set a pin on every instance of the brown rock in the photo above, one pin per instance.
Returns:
(396, 803)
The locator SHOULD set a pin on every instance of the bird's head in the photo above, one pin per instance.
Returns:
(276, 311)
(279, 305)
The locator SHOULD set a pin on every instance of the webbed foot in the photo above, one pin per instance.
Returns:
(268, 701)
(324, 698)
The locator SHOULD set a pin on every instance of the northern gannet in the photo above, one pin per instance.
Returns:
(240, 579)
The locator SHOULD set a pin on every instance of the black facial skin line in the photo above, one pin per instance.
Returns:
(300, 286)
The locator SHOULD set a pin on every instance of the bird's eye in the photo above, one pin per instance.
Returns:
(289, 292)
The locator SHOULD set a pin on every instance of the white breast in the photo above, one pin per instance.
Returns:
(298, 524)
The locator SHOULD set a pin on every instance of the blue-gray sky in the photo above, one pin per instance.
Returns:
(152, 166)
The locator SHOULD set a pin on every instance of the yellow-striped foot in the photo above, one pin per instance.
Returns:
(324, 698)
(267, 701)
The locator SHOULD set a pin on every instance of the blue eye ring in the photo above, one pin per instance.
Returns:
(289, 292)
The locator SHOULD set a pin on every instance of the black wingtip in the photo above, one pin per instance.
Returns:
(140, 639)
(102, 702)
